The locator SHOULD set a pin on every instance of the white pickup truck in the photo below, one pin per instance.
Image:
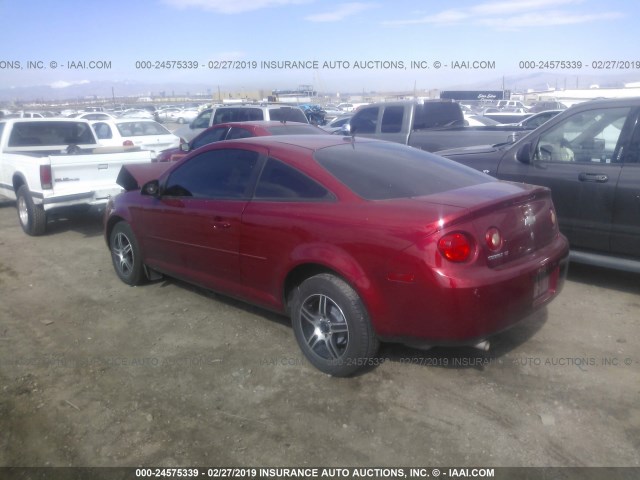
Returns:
(53, 163)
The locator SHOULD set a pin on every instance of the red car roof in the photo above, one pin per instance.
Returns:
(310, 142)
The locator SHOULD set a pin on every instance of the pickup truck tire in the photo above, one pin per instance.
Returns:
(125, 255)
(332, 326)
(33, 218)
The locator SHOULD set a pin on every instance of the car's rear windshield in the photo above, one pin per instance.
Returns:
(380, 170)
(140, 129)
(287, 114)
(288, 129)
(35, 134)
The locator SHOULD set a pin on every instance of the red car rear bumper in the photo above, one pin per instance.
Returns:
(464, 306)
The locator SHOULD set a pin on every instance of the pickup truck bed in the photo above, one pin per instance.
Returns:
(42, 177)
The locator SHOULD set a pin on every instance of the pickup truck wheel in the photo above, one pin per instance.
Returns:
(332, 326)
(33, 218)
(125, 255)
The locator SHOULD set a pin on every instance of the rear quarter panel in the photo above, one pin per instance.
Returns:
(353, 239)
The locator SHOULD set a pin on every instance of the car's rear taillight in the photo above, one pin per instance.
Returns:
(456, 247)
(493, 238)
(127, 143)
(45, 177)
(554, 219)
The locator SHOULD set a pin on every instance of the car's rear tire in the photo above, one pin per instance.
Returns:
(125, 255)
(33, 218)
(332, 326)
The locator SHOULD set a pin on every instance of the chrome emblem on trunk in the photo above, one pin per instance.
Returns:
(529, 217)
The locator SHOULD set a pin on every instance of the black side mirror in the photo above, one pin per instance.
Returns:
(525, 153)
(151, 188)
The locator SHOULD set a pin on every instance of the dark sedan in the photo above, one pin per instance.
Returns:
(236, 130)
(356, 240)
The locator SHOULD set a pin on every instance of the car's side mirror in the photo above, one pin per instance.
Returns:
(345, 129)
(151, 188)
(185, 147)
(525, 153)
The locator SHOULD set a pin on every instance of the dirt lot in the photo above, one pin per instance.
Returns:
(96, 373)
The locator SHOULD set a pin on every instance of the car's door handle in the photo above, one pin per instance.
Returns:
(593, 177)
(219, 223)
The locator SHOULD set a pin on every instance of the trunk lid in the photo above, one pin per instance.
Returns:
(134, 176)
(523, 214)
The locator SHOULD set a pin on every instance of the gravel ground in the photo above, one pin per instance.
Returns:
(96, 373)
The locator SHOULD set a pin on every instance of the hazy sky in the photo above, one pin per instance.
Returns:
(366, 45)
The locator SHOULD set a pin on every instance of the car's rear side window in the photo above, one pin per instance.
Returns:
(282, 182)
(209, 136)
(237, 132)
(381, 170)
(103, 130)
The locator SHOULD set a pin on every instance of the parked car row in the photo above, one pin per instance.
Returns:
(240, 113)
(361, 240)
(177, 115)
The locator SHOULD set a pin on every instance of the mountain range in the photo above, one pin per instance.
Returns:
(86, 91)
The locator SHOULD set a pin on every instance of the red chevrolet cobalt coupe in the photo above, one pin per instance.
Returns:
(356, 240)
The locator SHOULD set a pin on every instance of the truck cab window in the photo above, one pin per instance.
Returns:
(365, 121)
(392, 119)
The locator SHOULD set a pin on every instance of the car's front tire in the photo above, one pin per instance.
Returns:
(332, 326)
(125, 255)
(33, 218)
